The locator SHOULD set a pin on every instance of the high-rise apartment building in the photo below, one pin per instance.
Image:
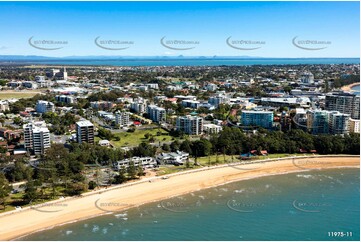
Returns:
(338, 123)
(37, 137)
(327, 122)
(156, 114)
(44, 106)
(85, 132)
(262, 119)
(190, 124)
(346, 103)
(122, 118)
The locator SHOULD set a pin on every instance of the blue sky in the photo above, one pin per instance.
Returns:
(209, 24)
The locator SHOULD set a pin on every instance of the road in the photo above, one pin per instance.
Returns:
(17, 186)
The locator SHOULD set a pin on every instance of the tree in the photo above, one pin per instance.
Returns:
(174, 146)
(303, 139)
(353, 144)
(165, 147)
(287, 89)
(217, 158)
(152, 139)
(144, 150)
(105, 134)
(140, 171)
(19, 172)
(324, 144)
(231, 140)
(18, 121)
(259, 149)
(201, 147)
(186, 146)
(176, 133)
(3, 82)
(30, 192)
(76, 188)
(5, 189)
(92, 185)
(132, 170)
(121, 177)
(64, 172)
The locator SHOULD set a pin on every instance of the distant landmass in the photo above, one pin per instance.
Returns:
(103, 57)
(167, 60)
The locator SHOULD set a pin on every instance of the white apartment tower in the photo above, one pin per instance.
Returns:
(138, 107)
(307, 78)
(339, 122)
(190, 124)
(44, 106)
(122, 118)
(37, 137)
(85, 132)
(354, 126)
(156, 114)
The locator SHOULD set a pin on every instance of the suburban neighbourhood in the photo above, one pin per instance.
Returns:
(74, 128)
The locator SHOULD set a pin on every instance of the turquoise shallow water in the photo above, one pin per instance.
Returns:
(299, 206)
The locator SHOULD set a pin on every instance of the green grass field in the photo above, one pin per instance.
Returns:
(228, 158)
(9, 95)
(17, 199)
(137, 137)
(212, 160)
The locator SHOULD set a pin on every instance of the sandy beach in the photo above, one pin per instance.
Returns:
(16, 224)
(349, 87)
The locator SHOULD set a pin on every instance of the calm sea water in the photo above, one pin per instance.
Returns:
(356, 88)
(203, 62)
(299, 206)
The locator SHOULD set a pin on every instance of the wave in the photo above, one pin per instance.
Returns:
(120, 215)
(305, 176)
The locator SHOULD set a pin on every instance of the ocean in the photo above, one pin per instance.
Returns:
(356, 88)
(196, 61)
(312, 205)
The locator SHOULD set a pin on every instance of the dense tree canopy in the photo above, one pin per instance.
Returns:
(233, 141)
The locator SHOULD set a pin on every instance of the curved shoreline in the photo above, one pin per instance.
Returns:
(348, 88)
(108, 213)
(19, 224)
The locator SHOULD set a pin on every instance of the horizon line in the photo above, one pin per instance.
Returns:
(176, 56)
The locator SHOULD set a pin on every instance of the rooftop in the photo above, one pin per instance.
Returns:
(84, 123)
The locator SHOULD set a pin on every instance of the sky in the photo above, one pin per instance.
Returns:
(260, 29)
